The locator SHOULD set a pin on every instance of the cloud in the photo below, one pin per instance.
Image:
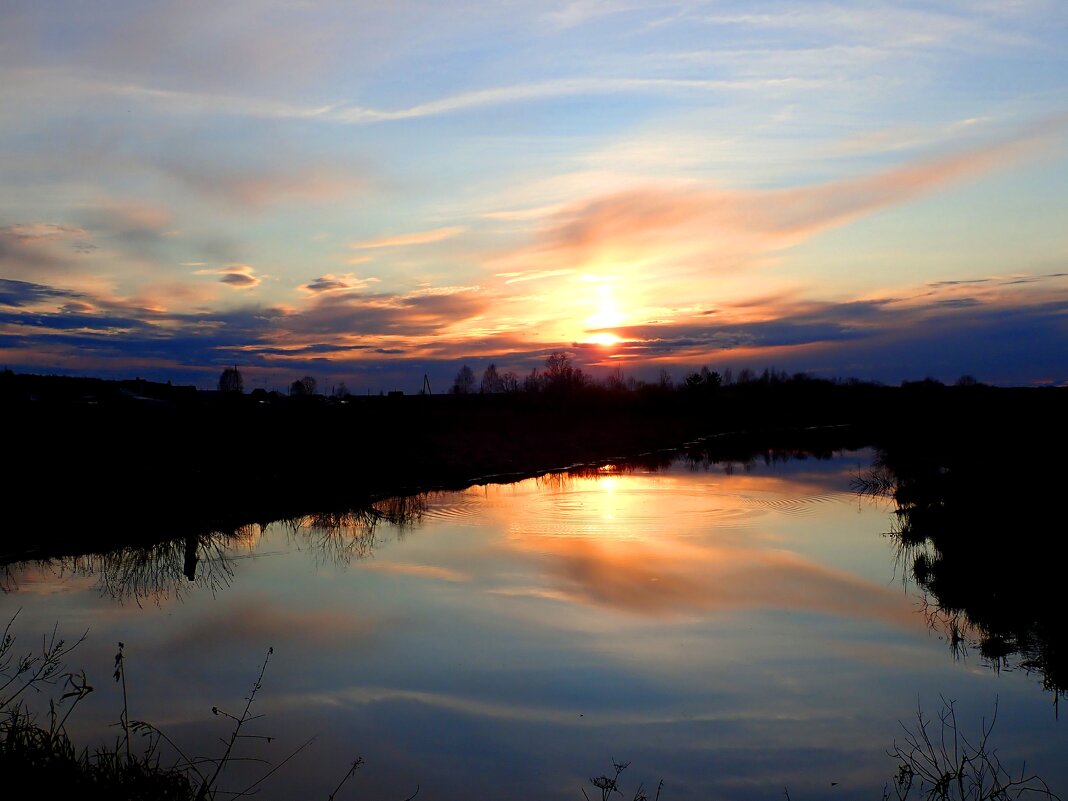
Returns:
(885, 24)
(195, 103)
(412, 315)
(240, 280)
(697, 228)
(25, 293)
(579, 12)
(1007, 329)
(566, 87)
(26, 248)
(336, 283)
(134, 220)
(253, 187)
(416, 238)
(28, 233)
(238, 276)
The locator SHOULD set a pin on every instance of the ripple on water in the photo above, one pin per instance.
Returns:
(799, 505)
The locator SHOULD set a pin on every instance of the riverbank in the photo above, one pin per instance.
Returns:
(128, 468)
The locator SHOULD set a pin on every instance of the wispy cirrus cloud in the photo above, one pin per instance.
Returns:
(256, 186)
(697, 228)
(886, 23)
(414, 238)
(195, 103)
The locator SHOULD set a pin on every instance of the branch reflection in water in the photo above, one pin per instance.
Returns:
(341, 537)
(161, 571)
(975, 538)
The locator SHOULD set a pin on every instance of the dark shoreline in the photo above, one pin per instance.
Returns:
(135, 463)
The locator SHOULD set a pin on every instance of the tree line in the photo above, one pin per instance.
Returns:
(559, 374)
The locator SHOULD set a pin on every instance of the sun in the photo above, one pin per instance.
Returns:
(604, 338)
(607, 314)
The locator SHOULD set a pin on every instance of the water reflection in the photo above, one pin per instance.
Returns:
(605, 541)
(166, 570)
(732, 625)
(976, 536)
(154, 573)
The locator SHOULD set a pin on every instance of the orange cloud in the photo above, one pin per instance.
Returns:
(416, 238)
(694, 228)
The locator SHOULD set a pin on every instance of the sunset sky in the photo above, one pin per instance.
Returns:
(368, 191)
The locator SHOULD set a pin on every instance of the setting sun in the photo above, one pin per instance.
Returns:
(604, 338)
(608, 314)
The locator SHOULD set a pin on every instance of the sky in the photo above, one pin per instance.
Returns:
(369, 192)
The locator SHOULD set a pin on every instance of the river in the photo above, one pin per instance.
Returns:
(735, 630)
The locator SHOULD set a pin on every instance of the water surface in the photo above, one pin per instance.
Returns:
(732, 631)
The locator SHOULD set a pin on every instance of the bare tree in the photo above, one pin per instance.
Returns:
(532, 382)
(616, 381)
(464, 383)
(491, 381)
(231, 380)
(510, 381)
(560, 374)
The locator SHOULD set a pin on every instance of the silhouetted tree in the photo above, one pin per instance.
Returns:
(710, 378)
(231, 380)
(303, 386)
(491, 381)
(464, 383)
(558, 367)
(664, 380)
(615, 381)
(341, 391)
(532, 382)
(560, 374)
(510, 382)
